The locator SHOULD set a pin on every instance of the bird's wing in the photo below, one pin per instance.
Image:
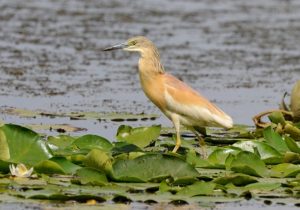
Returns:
(183, 100)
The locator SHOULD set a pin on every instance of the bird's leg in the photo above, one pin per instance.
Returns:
(201, 130)
(176, 124)
(201, 140)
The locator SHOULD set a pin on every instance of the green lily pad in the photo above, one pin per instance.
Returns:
(285, 170)
(249, 163)
(236, 179)
(198, 188)
(196, 161)
(292, 145)
(100, 160)
(56, 165)
(92, 142)
(141, 136)
(153, 168)
(218, 156)
(292, 157)
(275, 140)
(4, 166)
(165, 187)
(21, 145)
(262, 186)
(124, 147)
(91, 176)
(61, 141)
(266, 152)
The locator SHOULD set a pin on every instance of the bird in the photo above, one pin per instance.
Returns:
(178, 101)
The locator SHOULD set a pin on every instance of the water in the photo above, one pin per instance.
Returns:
(242, 55)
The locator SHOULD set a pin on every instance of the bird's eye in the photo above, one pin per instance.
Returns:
(132, 43)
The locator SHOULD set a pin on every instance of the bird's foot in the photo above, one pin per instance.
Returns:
(203, 152)
(203, 147)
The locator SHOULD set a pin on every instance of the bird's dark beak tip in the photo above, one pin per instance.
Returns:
(116, 47)
(107, 49)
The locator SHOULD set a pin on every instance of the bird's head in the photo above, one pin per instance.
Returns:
(138, 44)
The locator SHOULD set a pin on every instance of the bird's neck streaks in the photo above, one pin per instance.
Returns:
(150, 61)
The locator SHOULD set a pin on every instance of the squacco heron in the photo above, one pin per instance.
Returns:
(179, 102)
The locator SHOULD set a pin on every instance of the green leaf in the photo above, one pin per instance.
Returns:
(4, 148)
(266, 152)
(91, 176)
(198, 188)
(236, 179)
(292, 145)
(61, 141)
(275, 140)
(92, 142)
(262, 186)
(295, 101)
(123, 147)
(22, 145)
(218, 156)
(196, 161)
(249, 163)
(285, 170)
(153, 167)
(164, 187)
(291, 157)
(4, 166)
(141, 136)
(100, 160)
(58, 165)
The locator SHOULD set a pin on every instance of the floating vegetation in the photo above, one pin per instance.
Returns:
(90, 169)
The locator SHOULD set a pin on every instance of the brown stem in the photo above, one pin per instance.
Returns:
(257, 118)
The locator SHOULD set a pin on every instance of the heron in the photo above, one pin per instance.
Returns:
(178, 101)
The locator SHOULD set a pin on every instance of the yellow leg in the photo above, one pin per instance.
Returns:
(176, 123)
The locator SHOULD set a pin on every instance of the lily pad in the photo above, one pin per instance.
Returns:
(59, 165)
(262, 186)
(153, 168)
(124, 147)
(198, 188)
(92, 142)
(285, 170)
(141, 136)
(100, 160)
(4, 166)
(266, 152)
(218, 156)
(61, 141)
(249, 163)
(91, 176)
(275, 140)
(292, 145)
(22, 145)
(196, 161)
(236, 179)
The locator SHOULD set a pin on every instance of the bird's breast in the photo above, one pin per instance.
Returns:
(153, 88)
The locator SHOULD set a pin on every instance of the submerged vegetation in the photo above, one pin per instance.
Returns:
(245, 162)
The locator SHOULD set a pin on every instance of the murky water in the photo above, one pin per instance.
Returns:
(242, 55)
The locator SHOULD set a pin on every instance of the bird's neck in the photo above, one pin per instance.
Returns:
(150, 64)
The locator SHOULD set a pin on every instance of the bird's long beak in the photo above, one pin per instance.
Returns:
(116, 47)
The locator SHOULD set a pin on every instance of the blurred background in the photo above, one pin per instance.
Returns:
(242, 55)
